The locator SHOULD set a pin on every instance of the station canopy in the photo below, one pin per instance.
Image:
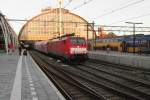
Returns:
(8, 37)
(46, 25)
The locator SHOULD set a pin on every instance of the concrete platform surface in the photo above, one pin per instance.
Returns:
(8, 66)
(129, 59)
(22, 79)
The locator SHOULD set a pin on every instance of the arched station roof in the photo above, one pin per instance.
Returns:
(46, 25)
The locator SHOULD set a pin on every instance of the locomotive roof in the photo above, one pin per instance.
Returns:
(59, 39)
(64, 38)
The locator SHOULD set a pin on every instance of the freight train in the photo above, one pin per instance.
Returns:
(66, 48)
(140, 43)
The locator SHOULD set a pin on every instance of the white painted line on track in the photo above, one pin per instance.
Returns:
(16, 90)
(49, 82)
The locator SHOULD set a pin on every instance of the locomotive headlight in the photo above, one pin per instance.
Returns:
(71, 50)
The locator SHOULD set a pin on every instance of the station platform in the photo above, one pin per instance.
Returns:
(22, 79)
(128, 59)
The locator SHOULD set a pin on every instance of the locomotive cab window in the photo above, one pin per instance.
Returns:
(77, 41)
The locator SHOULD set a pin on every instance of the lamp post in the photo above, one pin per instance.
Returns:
(134, 23)
(60, 30)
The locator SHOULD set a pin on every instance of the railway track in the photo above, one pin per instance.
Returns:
(135, 86)
(105, 82)
(69, 87)
(130, 71)
(126, 87)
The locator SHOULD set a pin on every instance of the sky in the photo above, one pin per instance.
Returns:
(102, 12)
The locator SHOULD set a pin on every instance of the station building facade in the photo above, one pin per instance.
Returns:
(46, 25)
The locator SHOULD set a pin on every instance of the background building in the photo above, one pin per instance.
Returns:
(46, 25)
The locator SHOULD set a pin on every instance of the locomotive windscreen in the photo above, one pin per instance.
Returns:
(77, 41)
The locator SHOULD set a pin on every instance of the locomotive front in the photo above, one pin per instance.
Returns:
(78, 49)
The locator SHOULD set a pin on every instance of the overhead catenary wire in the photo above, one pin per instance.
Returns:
(44, 21)
(136, 17)
(17, 19)
(84, 3)
(81, 6)
(120, 8)
(126, 2)
(122, 3)
(68, 3)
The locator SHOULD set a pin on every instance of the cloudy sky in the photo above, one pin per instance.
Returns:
(102, 12)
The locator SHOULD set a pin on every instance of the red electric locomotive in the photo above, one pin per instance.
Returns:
(66, 48)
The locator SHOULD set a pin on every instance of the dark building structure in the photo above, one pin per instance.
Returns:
(8, 38)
